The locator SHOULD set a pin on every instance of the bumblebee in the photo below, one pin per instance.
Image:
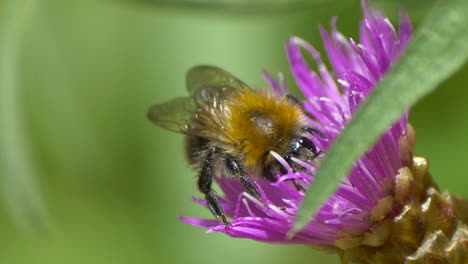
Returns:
(227, 123)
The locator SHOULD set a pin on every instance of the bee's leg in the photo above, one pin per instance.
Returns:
(205, 180)
(236, 170)
(298, 187)
(284, 171)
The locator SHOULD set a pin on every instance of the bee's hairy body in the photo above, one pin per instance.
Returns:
(229, 124)
(247, 124)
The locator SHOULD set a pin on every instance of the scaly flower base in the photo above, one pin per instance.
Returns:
(429, 226)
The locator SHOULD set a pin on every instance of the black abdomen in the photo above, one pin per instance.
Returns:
(194, 147)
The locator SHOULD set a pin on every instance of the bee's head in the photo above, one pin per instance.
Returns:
(302, 150)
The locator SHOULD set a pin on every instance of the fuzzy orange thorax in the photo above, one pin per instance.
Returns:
(260, 121)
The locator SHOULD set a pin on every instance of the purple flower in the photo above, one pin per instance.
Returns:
(332, 98)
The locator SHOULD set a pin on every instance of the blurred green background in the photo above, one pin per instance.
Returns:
(85, 178)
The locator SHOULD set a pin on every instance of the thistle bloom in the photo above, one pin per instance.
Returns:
(388, 209)
(331, 98)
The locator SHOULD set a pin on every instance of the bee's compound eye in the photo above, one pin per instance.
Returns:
(308, 144)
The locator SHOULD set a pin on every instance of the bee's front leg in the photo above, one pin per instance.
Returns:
(205, 180)
(235, 168)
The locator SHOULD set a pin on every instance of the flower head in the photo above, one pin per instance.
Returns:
(332, 98)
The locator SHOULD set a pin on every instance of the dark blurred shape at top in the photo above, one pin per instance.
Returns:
(416, 8)
(242, 6)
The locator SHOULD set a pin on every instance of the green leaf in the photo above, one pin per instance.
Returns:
(439, 49)
(17, 171)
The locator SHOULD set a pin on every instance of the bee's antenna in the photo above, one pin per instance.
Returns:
(311, 130)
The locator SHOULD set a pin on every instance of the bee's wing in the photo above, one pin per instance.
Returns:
(205, 83)
(174, 115)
